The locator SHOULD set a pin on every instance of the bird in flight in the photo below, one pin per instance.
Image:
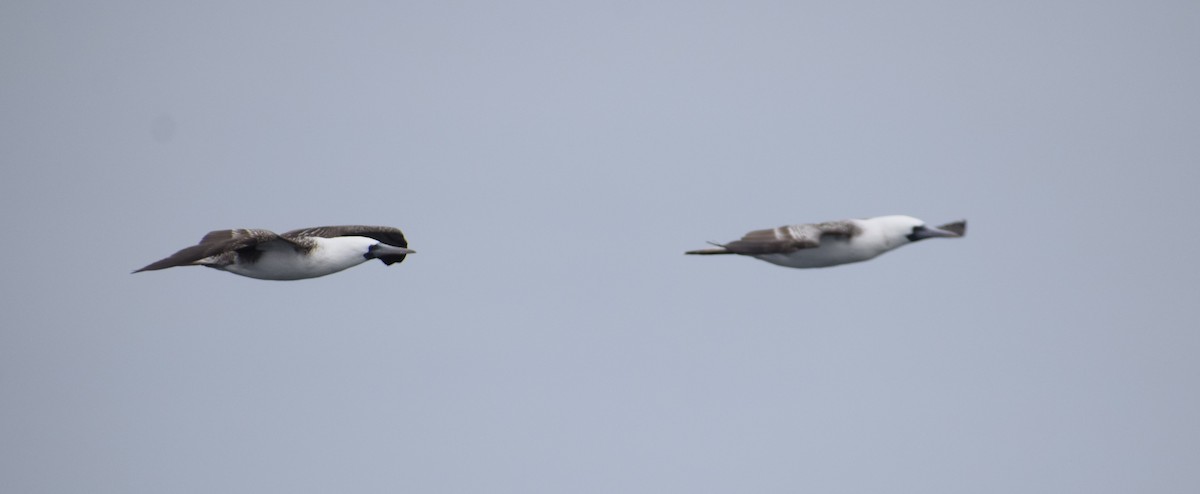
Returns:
(818, 245)
(295, 255)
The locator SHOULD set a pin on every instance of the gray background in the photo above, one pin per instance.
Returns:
(551, 161)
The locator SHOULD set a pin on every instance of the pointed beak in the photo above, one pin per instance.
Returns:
(389, 254)
(391, 250)
(931, 232)
(959, 228)
(949, 230)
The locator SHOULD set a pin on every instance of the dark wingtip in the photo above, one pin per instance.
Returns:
(157, 265)
(721, 249)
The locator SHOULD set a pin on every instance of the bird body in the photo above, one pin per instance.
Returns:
(817, 245)
(833, 250)
(295, 255)
(282, 261)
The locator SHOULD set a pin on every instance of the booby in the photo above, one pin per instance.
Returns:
(818, 245)
(295, 255)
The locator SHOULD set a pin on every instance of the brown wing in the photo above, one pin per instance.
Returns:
(779, 240)
(215, 243)
(385, 234)
(790, 238)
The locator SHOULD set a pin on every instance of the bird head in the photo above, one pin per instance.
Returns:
(388, 254)
(914, 229)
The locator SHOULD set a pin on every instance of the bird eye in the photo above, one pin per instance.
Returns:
(916, 233)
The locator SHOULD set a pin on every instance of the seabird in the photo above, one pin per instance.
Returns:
(295, 255)
(818, 245)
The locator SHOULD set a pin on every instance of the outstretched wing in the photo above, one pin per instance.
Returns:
(385, 234)
(790, 238)
(215, 243)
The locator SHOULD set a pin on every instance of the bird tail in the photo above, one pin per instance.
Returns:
(711, 252)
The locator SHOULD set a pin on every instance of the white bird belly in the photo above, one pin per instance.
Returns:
(828, 254)
(286, 263)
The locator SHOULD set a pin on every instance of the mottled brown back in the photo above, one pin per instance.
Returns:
(790, 238)
(214, 243)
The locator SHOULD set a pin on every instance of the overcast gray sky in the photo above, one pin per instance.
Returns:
(551, 161)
